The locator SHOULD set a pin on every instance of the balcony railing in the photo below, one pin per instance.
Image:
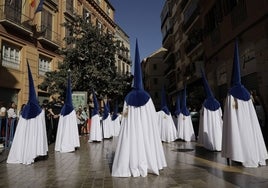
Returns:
(48, 34)
(14, 16)
(195, 38)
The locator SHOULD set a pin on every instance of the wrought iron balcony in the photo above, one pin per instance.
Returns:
(13, 17)
(45, 34)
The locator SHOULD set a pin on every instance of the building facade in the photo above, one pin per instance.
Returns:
(201, 33)
(122, 57)
(27, 35)
(153, 75)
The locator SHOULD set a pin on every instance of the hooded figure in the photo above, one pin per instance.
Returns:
(67, 138)
(107, 122)
(95, 129)
(167, 129)
(185, 128)
(242, 138)
(210, 121)
(139, 149)
(30, 139)
(116, 120)
(177, 112)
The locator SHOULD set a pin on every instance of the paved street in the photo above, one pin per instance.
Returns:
(189, 165)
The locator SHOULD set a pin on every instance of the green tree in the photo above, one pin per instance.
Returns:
(90, 57)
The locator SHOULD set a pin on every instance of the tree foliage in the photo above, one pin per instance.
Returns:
(90, 57)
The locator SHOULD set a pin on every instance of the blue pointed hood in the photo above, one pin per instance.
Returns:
(68, 104)
(237, 89)
(105, 111)
(138, 96)
(115, 114)
(32, 108)
(184, 109)
(210, 102)
(96, 104)
(178, 106)
(164, 106)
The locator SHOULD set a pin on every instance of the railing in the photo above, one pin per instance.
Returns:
(48, 34)
(9, 125)
(194, 39)
(14, 15)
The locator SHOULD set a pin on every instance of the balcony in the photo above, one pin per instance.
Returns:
(194, 39)
(47, 36)
(190, 15)
(168, 38)
(13, 18)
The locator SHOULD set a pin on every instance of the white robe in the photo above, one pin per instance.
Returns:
(242, 139)
(139, 149)
(116, 125)
(210, 129)
(107, 127)
(67, 134)
(95, 129)
(167, 129)
(30, 140)
(185, 130)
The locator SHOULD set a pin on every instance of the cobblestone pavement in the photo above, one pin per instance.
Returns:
(189, 165)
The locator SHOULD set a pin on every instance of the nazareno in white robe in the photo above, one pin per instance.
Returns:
(210, 129)
(30, 140)
(185, 130)
(242, 139)
(167, 129)
(139, 149)
(67, 134)
(95, 129)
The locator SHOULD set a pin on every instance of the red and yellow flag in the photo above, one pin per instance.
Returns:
(32, 3)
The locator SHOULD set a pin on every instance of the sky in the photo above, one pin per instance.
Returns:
(140, 19)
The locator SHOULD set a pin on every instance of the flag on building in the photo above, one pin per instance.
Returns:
(40, 6)
(32, 3)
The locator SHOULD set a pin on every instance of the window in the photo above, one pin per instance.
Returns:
(155, 66)
(46, 24)
(87, 15)
(10, 56)
(44, 65)
(108, 10)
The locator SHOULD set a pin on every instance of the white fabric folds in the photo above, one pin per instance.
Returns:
(30, 140)
(210, 129)
(139, 149)
(167, 129)
(95, 129)
(67, 134)
(107, 127)
(242, 139)
(116, 125)
(185, 130)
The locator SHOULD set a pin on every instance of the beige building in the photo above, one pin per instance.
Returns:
(36, 37)
(122, 57)
(153, 75)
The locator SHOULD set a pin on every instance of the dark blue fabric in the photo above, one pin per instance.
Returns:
(137, 98)
(178, 107)
(164, 106)
(166, 110)
(211, 103)
(238, 90)
(184, 109)
(32, 108)
(105, 112)
(96, 105)
(68, 104)
(115, 113)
